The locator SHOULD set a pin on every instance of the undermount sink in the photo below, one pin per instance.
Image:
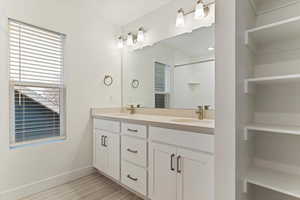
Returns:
(186, 120)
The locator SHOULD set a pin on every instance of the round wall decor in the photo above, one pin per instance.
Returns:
(135, 83)
(108, 80)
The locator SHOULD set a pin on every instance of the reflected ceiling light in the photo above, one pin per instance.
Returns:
(130, 39)
(199, 11)
(211, 48)
(180, 18)
(141, 35)
(120, 42)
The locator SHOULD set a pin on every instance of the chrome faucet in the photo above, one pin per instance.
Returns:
(200, 112)
(131, 109)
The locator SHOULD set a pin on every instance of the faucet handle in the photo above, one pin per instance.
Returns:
(207, 107)
(200, 107)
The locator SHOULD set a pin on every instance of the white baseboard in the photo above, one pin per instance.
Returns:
(38, 186)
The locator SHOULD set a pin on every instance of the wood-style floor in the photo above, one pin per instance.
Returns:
(92, 187)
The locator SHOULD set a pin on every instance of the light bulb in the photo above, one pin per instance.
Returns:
(141, 35)
(199, 11)
(120, 43)
(130, 39)
(180, 18)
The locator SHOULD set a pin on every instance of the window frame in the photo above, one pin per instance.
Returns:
(61, 87)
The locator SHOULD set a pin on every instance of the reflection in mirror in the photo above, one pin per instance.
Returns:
(176, 73)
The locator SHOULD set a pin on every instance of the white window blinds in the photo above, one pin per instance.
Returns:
(36, 58)
(36, 55)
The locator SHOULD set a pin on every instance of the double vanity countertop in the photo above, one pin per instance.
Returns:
(184, 123)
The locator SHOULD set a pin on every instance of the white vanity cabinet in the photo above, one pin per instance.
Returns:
(175, 171)
(107, 147)
(157, 163)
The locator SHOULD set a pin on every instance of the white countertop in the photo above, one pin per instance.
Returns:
(189, 124)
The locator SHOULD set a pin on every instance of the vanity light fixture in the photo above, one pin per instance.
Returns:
(180, 18)
(130, 39)
(120, 42)
(199, 11)
(141, 35)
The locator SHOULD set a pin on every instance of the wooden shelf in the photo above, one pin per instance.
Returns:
(274, 180)
(269, 80)
(276, 32)
(280, 129)
(262, 6)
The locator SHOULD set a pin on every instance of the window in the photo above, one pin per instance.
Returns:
(162, 85)
(36, 58)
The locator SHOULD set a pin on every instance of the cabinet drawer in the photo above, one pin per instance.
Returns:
(134, 150)
(191, 140)
(134, 130)
(134, 177)
(107, 125)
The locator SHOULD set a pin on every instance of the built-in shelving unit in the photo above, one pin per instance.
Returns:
(279, 129)
(272, 47)
(274, 180)
(271, 33)
(262, 6)
(249, 83)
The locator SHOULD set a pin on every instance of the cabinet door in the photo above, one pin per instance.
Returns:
(195, 175)
(112, 143)
(100, 151)
(162, 172)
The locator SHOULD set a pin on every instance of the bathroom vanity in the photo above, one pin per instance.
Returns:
(156, 156)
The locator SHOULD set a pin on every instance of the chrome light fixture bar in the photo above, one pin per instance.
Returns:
(131, 38)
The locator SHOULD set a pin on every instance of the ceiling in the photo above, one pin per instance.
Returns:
(123, 12)
(193, 44)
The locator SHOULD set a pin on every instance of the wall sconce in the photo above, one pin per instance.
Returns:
(129, 39)
(120, 42)
(132, 39)
(201, 10)
(141, 35)
(180, 18)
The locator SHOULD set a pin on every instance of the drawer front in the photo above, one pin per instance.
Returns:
(107, 125)
(134, 130)
(134, 177)
(197, 141)
(134, 150)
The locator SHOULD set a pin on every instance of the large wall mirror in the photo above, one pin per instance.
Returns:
(178, 72)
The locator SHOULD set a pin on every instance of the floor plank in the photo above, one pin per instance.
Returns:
(92, 187)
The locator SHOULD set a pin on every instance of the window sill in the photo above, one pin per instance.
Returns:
(37, 142)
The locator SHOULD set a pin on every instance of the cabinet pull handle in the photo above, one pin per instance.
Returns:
(132, 130)
(179, 164)
(132, 151)
(130, 177)
(104, 141)
(172, 167)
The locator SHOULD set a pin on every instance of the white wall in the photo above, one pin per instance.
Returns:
(225, 128)
(187, 95)
(90, 54)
